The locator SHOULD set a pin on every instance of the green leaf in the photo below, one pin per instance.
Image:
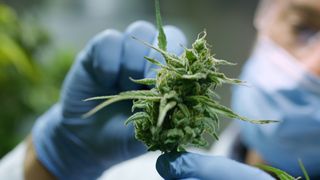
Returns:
(175, 133)
(162, 39)
(100, 98)
(104, 104)
(212, 94)
(168, 67)
(140, 104)
(262, 121)
(184, 109)
(224, 78)
(222, 110)
(138, 93)
(153, 61)
(190, 55)
(305, 173)
(213, 115)
(164, 53)
(222, 62)
(215, 106)
(136, 116)
(279, 173)
(210, 127)
(146, 81)
(148, 93)
(171, 94)
(122, 96)
(174, 61)
(163, 112)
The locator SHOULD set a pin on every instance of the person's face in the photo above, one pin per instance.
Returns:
(295, 25)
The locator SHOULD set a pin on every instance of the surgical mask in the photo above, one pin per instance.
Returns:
(279, 88)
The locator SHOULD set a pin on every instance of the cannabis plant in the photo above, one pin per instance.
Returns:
(182, 105)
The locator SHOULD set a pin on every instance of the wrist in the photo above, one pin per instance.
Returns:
(253, 158)
(33, 168)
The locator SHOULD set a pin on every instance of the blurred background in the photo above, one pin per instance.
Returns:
(40, 38)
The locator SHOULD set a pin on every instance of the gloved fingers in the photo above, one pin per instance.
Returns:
(133, 52)
(110, 125)
(175, 42)
(122, 142)
(93, 74)
(190, 165)
(103, 57)
(171, 166)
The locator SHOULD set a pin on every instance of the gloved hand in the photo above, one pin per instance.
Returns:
(71, 147)
(200, 167)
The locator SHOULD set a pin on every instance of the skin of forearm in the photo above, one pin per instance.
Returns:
(253, 158)
(33, 169)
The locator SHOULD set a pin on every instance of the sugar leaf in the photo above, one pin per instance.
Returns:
(162, 39)
(146, 81)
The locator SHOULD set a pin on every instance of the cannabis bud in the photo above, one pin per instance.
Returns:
(182, 105)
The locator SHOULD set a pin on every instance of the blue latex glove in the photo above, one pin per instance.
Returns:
(190, 166)
(74, 148)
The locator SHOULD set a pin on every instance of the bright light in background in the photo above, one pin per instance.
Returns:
(73, 22)
(100, 8)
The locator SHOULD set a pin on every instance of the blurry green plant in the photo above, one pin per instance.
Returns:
(29, 78)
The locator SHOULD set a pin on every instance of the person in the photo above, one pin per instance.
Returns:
(283, 76)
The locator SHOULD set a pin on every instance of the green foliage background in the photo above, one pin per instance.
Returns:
(31, 72)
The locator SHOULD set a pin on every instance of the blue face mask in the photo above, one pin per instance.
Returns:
(280, 89)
